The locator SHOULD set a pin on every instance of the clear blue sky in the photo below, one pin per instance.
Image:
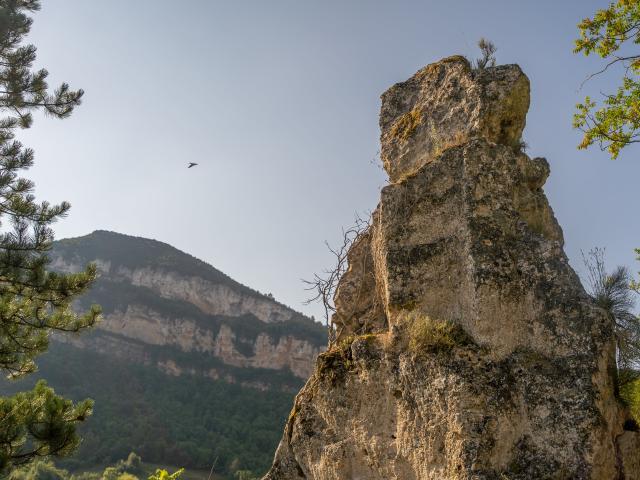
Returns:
(278, 102)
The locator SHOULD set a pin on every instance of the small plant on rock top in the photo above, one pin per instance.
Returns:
(488, 58)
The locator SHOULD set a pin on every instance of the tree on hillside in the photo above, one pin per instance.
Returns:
(33, 301)
(614, 34)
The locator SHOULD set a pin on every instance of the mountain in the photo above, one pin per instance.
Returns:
(166, 308)
(187, 365)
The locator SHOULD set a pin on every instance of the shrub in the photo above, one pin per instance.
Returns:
(630, 394)
(336, 361)
(165, 475)
(244, 475)
(431, 336)
(39, 470)
(488, 50)
(613, 293)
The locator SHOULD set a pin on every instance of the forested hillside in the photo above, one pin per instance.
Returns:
(186, 420)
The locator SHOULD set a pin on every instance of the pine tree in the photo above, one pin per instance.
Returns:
(613, 293)
(34, 302)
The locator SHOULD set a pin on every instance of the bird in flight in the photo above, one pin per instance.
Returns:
(192, 164)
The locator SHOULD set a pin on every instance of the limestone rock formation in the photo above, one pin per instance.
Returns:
(165, 308)
(446, 104)
(467, 347)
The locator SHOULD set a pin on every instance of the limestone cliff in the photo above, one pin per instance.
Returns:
(466, 346)
(164, 307)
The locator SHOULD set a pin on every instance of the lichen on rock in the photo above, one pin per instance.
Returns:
(468, 348)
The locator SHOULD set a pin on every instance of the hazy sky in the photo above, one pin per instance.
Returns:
(278, 102)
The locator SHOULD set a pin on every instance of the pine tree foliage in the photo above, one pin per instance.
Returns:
(33, 301)
(39, 423)
(635, 285)
(613, 33)
(614, 294)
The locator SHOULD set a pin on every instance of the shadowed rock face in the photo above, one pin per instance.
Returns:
(463, 238)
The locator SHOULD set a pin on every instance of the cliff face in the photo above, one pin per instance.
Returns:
(164, 307)
(466, 346)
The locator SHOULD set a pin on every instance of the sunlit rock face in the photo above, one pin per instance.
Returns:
(466, 346)
(166, 308)
(446, 104)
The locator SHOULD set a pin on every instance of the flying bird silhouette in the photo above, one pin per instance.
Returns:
(192, 164)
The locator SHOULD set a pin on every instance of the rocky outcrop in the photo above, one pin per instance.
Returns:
(446, 104)
(166, 308)
(142, 325)
(480, 356)
(212, 298)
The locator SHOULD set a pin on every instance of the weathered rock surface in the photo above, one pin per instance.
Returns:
(520, 384)
(629, 445)
(138, 326)
(212, 298)
(446, 104)
(164, 307)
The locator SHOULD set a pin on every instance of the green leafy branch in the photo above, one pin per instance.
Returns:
(616, 123)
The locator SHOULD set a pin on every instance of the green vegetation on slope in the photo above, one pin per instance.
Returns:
(187, 420)
(132, 468)
(630, 393)
(194, 362)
